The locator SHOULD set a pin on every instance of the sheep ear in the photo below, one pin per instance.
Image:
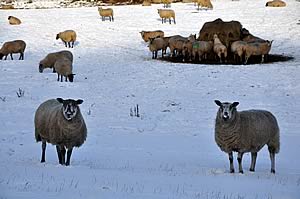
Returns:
(80, 101)
(218, 103)
(60, 100)
(235, 104)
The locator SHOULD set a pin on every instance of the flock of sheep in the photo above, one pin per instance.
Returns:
(60, 122)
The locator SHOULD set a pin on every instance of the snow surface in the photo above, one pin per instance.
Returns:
(169, 152)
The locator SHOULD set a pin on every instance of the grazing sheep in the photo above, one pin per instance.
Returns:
(219, 48)
(246, 131)
(147, 35)
(275, 3)
(107, 12)
(156, 45)
(257, 48)
(238, 48)
(10, 47)
(202, 48)
(167, 3)
(166, 14)
(67, 37)
(14, 20)
(51, 58)
(187, 47)
(205, 4)
(60, 123)
(63, 67)
(146, 3)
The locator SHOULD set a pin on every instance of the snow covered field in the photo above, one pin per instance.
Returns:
(169, 152)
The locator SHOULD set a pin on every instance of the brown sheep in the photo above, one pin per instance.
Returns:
(10, 47)
(275, 3)
(14, 20)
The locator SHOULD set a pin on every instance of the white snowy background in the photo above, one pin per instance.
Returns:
(169, 152)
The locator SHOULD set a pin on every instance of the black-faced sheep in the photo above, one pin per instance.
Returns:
(51, 58)
(60, 123)
(147, 35)
(68, 37)
(166, 14)
(11, 47)
(14, 20)
(246, 131)
(107, 12)
(64, 68)
(257, 48)
(219, 48)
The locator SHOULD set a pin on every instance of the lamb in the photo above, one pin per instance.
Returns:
(219, 48)
(238, 48)
(166, 14)
(167, 3)
(275, 3)
(156, 45)
(257, 48)
(204, 3)
(14, 20)
(246, 131)
(11, 47)
(202, 48)
(63, 67)
(51, 58)
(59, 122)
(67, 37)
(146, 35)
(107, 12)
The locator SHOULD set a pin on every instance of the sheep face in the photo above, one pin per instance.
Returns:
(227, 110)
(57, 36)
(9, 17)
(71, 77)
(70, 107)
(41, 67)
(1, 55)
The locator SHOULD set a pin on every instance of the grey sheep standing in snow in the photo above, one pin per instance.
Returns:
(63, 67)
(51, 58)
(246, 131)
(68, 37)
(60, 123)
(10, 47)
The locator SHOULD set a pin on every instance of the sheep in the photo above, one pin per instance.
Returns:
(187, 47)
(257, 48)
(14, 20)
(146, 3)
(166, 14)
(51, 58)
(167, 3)
(238, 48)
(156, 45)
(202, 48)
(176, 44)
(248, 37)
(107, 12)
(10, 47)
(219, 48)
(246, 131)
(63, 67)
(275, 3)
(204, 3)
(59, 122)
(146, 35)
(67, 37)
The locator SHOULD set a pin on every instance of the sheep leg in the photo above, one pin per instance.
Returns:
(69, 44)
(112, 17)
(262, 58)
(169, 20)
(240, 157)
(58, 154)
(65, 44)
(57, 76)
(21, 56)
(54, 71)
(253, 161)
(73, 44)
(272, 157)
(66, 78)
(174, 21)
(69, 153)
(162, 20)
(43, 151)
(11, 56)
(231, 162)
(63, 155)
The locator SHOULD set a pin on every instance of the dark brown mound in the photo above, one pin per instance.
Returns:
(271, 58)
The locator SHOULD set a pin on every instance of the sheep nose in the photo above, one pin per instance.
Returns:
(226, 114)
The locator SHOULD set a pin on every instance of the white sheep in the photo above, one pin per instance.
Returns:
(64, 68)
(68, 37)
(51, 58)
(246, 131)
(14, 20)
(219, 48)
(166, 14)
(257, 48)
(147, 35)
(238, 48)
(107, 12)
(157, 44)
(60, 123)
(11, 47)
(202, 49)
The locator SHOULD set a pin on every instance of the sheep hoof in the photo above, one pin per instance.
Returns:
(231, 170)
(273, 171)
(252, 170)
(242, 172)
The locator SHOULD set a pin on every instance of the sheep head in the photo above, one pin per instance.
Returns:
(227, 110)
(70, 107)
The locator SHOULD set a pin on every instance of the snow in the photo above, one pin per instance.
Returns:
(169, 152)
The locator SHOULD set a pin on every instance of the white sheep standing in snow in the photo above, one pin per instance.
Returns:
(60, 123)
(68, 37)
(246, 131)
(166, 14)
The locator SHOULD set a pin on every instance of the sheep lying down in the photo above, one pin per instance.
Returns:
(59, 122)
(246, 131)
